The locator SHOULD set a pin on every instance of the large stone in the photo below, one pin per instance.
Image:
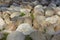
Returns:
(15, 4)
(6, 17)
(33, 4)
(15, 36)
(17, 1)
(52, 19)
(56, 37)
(35, 24)
(28, 20)
(26, 12)
(50, 29)
(37, 36)
(2, 23)
(5, 3)
(26, 9)
(39, 23)
(25, 28)
(57, 9)
(40, 18)
(11, 27)
(38, 10)
(14, 8)
(48, 36)
(49, 13)
(3, 8)
(57, 26)
(52, 5)
(14, 14)
(45, 2)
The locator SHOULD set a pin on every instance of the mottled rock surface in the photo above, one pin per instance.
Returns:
(25, 28)
(27, 16)
(37, 36)
(56, 37)
(15, 36)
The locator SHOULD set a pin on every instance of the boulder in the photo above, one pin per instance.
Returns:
(37, 36)
(2, 23)
(15, 36)
(25, 28)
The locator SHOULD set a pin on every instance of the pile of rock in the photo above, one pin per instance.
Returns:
(23, 17)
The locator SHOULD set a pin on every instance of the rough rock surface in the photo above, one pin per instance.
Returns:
(25, 28)
(42, 15)
(2, 23)
(56, 37)
(37, 36)
(15, 36)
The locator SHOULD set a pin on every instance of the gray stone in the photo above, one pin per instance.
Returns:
(3, 9)
(5, 3)
(15, 4)
(49, 12)
(56, 37)
(52, 5)
(37, 36)
(48, 36)
(1, 35)
(52, 19)
(15, 36)
(33, 4)
(14, 8)
(28, 0)
(17, 1)
(44, 2)
(25, 28)
(38, 10)
(14, 14)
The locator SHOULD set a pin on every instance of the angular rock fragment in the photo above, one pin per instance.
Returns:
(6, 17)
(50, 29)
(52, 19)
(38, 10)
(2, 23)
(39, 23)
(25, 28)
(14, 14)
(49, 13)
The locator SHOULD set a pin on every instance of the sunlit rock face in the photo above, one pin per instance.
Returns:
(52, 19)
(38, 10)
(25, 28)
(2, 23)
(14, 14)
(49, 12)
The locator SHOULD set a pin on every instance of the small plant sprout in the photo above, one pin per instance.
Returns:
(22, 14)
